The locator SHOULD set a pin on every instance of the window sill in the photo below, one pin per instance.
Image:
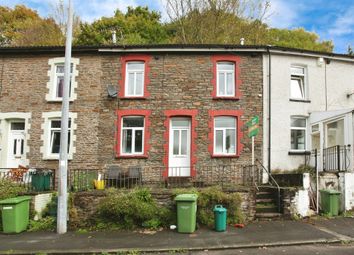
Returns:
(299, 100)
(54, 157)
(132, 98)
(225, 156)
(132, 156)
(226, 98)
(299, 152)
(58, 100)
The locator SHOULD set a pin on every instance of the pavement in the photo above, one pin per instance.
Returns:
(256, 234)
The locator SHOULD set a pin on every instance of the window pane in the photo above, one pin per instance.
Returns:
(315, 128)
(127, 141)
(60, 68)
(180, 123)
(298, 70)
(297, 88)
(298, 122)
(139, 84)
(230, 141)
(133, 122)
(335, 133)
(15, 146)
(175, 142)
(136, 66)
(221, 84)
(223, 122)
(55, 139)
(218, 141)
(60, 86)
(17, 126)
(184, 142)
(55, 123)
(230, 84)
(138, 141)
(226, 66)
(22, 145)
(130, 85)
(298, 139)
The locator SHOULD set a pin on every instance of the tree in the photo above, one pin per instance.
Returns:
(298, 38)
(22, 26)
(138, 26)
(350, 50)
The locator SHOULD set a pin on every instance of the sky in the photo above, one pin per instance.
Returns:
(330, 19)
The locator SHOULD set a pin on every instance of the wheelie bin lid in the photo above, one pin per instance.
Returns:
(219, 208)
(330, 191)
(14, 200)
(186, 197)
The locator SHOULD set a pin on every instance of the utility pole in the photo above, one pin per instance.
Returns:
(63, 156)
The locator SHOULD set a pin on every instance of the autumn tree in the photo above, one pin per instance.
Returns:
(137, 26)
(22, 26)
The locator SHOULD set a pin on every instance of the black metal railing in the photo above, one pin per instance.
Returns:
(31, 179)
(336, 158)
(161, 177)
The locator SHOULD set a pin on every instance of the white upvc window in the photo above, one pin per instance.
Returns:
(225, 135)
(56, 79)
(51, 135)
(226, 79)
(297, 83)
(132, 135)
(134, 81)
(298, 133)
(55, 128)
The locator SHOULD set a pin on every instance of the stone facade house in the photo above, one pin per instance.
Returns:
(178, 108)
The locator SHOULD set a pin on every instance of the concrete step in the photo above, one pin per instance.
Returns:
(265, 200)
(266, 208)
(264, 194)
(268, 216)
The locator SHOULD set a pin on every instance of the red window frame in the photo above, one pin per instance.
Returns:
(231, 113)
(194, 123)
(226, 58)
(118, 123)
(128, 58)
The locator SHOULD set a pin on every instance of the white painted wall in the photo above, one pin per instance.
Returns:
(340, 77)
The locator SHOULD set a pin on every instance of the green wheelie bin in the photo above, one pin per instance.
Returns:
(186, 212)
(220, 214)
(330, 201)
(15, 214)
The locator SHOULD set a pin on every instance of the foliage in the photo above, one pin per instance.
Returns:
(305, 169)
(131, 209)
(44, 224)
(350, 50)
(22, 26)
(137, 26)
(10, 189)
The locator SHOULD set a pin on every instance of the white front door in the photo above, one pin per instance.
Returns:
(179, 160)
(16, 145)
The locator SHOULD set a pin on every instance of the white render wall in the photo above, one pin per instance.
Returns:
(340, 82)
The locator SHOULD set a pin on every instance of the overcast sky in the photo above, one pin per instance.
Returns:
(331, 19)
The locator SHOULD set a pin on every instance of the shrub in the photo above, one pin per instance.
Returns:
(44, 224)
(131, 209)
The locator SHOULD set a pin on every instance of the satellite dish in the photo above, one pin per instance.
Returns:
(112, 91)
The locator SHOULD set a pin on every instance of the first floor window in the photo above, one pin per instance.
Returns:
(225, 135)
(297, 85)
(134, 84)
(298, 133)
(132, 136)
(59, 80)
(55, 127)
(225, 79)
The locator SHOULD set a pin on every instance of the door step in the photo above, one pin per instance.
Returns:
(268, 215)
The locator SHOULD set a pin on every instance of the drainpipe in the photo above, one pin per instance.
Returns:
(269, 107)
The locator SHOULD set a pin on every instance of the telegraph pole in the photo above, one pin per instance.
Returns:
(63, 156)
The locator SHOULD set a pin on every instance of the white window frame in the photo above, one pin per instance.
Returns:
(47, 135)
(135, 72)
(225, 72)
(134, 129)
(53, 79)
(224, 129)
(302, 79)
(299, 128)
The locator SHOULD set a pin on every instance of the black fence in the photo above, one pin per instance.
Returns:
(336, 158)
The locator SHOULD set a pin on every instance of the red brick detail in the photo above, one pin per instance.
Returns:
(239, 123)
(226, 58)
(181, 113)
(146, 59)
(118, 123)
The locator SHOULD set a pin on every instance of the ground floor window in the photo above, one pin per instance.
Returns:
(298, 133)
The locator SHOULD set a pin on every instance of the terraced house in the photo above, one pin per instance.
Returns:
(172, 111)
